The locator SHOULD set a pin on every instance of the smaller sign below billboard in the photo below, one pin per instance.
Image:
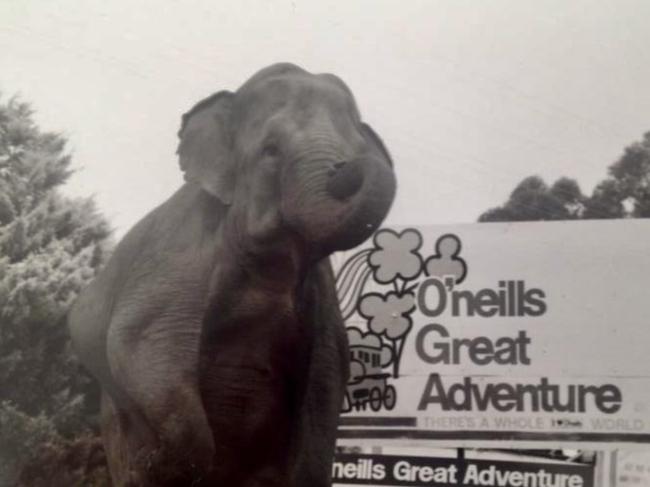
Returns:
(632, 468)
(397, 470)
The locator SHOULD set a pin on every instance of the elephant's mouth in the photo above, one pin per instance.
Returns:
(339, 205)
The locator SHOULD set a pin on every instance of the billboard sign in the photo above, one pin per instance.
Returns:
(517, 332)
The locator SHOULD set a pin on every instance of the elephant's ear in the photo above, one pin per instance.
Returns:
(204, 150)
(372, 135)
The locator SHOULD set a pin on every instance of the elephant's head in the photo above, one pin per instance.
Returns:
(288, 152)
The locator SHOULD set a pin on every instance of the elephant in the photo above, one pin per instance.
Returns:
(214, 329)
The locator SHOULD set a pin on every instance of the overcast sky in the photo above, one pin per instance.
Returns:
(469, 96)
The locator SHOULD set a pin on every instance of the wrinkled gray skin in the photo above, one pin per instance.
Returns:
(214, 329)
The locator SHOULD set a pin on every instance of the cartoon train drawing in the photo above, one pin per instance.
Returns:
(367, 385)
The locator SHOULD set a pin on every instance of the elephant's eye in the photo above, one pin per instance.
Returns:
(270, 150)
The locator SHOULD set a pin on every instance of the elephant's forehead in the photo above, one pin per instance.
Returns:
(303, 94)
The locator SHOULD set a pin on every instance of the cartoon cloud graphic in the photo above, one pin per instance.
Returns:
(446, 261)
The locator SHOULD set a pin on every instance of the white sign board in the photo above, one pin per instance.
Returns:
(515, 333)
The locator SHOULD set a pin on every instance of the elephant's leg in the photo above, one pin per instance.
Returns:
(125, 439)
(117, 443)
(160, 378)
(185, 451)
(114, 444)
(321, 398)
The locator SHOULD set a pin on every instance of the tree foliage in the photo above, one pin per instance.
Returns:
(533, 199)
(624, 193)
(50, 246)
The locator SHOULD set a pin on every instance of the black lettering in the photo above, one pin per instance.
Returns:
(457, 343)
(583, 391)
(506, 352)
(544, 390)
(512, 299)
(481, 351)
(486, 303)
(534, 396)
(443, 348)
(422, 297)
(610, 399)
(535, 304)
(504, 397)
(465, 402)
(503, 298)
(428, 396)
(523, 341)
(482, 400)
(456, 298)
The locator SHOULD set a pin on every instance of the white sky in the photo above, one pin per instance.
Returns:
(470, 96)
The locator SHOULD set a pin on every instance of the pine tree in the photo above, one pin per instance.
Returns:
(50, 246)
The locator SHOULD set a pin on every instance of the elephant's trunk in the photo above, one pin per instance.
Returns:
(370, 186)
(345, 180)
(337, 205)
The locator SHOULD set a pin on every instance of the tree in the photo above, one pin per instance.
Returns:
(532, 199)
(606, 201)
(50, 246)
(624, 193)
